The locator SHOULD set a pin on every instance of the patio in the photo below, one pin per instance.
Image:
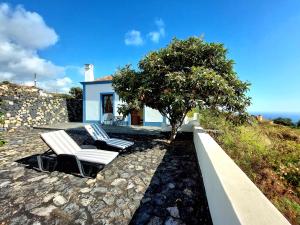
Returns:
(151, 184)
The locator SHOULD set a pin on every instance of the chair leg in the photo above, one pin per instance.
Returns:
(65, 159)
(41, 165)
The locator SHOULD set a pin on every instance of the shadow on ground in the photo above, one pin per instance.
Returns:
(61, 164)
(176, 194)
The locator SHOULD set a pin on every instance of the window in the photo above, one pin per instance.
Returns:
(107, 103)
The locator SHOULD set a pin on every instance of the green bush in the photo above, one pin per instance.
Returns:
(2, 142)
(284, 121)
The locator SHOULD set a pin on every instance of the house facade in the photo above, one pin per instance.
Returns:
(101, 102)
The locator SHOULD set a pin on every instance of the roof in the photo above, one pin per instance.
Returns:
(106, 78)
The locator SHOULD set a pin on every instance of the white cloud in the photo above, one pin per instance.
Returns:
(133, 37)
(58, 85)
(155, 36)
(22, 35)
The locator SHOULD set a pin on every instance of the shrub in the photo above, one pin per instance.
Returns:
(283, 121)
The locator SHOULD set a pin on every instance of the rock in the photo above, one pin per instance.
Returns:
(37, 223)
(99, 190)
(4, 184)
(34, 179)
(139, 168)
(142, 218)
(122, 203)
(188, 192)
(119, 182)
(127, 213)
(19, 220)
(85, 190)
(159, 199)
(125, 175)
(145, 200)
(59, 200)
(86, 201)
(109, 200)
(99, 176)
(140, 188)
(115, 213)
(172, 221)
(48, 197)
(174, 212)
(130, 185)
(50, 180)
(90, 182)
(71, 208)
(155, 221)
(43, 211)
(171, 185)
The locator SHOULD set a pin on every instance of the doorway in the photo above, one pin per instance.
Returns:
(137, 117)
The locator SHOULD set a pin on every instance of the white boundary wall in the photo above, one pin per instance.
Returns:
(232, 197)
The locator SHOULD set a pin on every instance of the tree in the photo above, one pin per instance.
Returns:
(284, 121)
(298, 124)
(180, 76)
(76, 92)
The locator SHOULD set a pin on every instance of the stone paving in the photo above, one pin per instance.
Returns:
(153, 184)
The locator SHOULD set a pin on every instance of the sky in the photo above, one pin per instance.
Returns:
(55, 38)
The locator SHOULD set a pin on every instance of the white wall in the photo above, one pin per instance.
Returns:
(232, 197)
(92, 104)
(152, 115)
(92, 100)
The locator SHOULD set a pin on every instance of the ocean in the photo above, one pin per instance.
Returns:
(295, 117)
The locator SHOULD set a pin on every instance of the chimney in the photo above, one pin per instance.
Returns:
(88, 72)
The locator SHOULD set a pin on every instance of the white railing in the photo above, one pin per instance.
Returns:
(232, 197)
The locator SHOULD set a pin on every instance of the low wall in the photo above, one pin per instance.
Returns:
(232, 197)
(25, 107)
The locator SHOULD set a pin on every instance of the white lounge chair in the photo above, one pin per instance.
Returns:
(63, 145)
(98, 134)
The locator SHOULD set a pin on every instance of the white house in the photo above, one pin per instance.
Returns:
(100, 103)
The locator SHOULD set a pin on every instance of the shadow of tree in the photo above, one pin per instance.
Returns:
(176, 194)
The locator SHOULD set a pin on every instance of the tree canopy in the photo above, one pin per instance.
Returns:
(76, 92)
(180, 76)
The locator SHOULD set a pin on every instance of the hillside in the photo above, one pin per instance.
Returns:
(269, 154)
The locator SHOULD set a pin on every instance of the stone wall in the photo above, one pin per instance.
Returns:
(29, 106)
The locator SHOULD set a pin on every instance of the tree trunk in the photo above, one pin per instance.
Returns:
(173, 133)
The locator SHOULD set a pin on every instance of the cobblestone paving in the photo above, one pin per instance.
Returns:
(152, 184)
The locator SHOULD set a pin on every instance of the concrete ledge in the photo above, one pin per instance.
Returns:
(232, 197)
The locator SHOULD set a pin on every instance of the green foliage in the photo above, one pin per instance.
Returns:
(76, 92)
(183, 75)
(298, 124)
(268, 154)
(5, 82)
(2, 142)
(283, 121)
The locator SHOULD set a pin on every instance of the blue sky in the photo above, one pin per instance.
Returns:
(263, 38)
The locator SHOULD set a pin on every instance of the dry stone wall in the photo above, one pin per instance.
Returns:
(25, 107)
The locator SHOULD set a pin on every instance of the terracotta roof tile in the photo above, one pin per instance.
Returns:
(106, 78)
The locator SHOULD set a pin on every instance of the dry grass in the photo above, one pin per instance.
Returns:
(269, 155)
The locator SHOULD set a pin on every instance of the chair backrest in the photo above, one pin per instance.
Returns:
(96, 132)
(60, 142)
(108, 117)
